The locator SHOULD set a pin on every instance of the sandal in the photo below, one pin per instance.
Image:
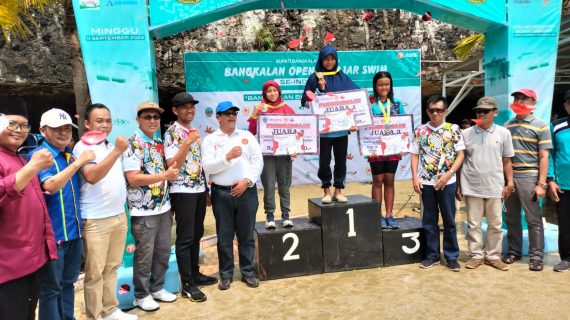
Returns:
(535, 265)
(510, 259)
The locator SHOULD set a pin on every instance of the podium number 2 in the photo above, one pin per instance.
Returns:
(351, 232)
(414, 236)
(289, 255)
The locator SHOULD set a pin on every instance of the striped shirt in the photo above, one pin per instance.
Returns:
(559, 168)
(529, 136)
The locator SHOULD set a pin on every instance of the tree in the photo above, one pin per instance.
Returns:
(15, 13)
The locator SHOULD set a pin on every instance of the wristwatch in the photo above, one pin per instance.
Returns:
(543, 185)
(452, 172)
(249, 183)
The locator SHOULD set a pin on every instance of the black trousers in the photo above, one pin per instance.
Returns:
(19, 297)
(339, 147)
(563, 212)
(189, 213)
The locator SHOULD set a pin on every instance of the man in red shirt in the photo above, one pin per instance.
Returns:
(26, 235)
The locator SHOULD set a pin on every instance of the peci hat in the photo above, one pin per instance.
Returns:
(55, 118)
(182, 98)
(487, 102)
(225, 106)
(13, 106)
(149, 105)
(527, 92)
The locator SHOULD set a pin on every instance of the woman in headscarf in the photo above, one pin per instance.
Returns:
(275, 168)
(329, 78)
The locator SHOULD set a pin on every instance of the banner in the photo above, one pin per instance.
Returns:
(340, 111)
(212, 77)
(383, 140)
(288, 134)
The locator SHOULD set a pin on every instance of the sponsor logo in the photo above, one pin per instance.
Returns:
(209, 112)
(189, 1)
(113, 3)
(89, 4)
(244, 141)
(245, 111)
(477, 1)
(368, 171)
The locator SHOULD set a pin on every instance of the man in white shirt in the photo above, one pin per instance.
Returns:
(232, 159)
(102, 194)
(188, 195)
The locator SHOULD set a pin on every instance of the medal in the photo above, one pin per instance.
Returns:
(320, 75)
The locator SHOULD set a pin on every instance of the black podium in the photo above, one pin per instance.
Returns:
(404, 245)
(288, 252)
(351, 233)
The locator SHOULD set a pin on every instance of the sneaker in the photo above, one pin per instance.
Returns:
(193, 293)
(453, 265)
(563, 266)
(383, 223)
(204, 280)
(391, 222)
(473, 263)
(327, 199)
(120, 315)
(287, 223)
(225, 283)
(251, 281)
(147, 304)
(340, 198)
(428, 263)
(270, 225)
(163, 296)
(497, 264)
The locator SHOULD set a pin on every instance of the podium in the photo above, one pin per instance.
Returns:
(351, 233)
(404, 245)
(288, 252)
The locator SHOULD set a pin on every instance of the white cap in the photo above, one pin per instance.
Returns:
(55, 118)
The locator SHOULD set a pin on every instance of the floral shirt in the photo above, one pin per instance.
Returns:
(437, 149)
(191, 176)
(146, 155)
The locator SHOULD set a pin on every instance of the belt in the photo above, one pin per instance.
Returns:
(217, 186)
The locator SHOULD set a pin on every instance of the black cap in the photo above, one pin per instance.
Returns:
(566, 95)
(182, 98)
(13, 106)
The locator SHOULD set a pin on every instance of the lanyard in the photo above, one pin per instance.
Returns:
(326, 73)
(385, 111)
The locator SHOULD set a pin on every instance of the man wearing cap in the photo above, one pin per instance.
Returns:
(102, 196)
(26, 234)
(61, 185)
(188, 195)
(488, 153)
(233, 160)
(149, 205)
(559, 182)
(531, 142)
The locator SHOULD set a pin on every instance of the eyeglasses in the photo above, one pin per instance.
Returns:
(13, 126)
(483, 111)
(148, 117)
(435, 110)
(230, 113)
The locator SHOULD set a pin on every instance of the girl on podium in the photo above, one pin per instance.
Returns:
(275, 168)
(384, 167)
(329, 78)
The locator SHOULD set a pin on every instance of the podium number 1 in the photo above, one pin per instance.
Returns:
(351, 232)
(289, 255)
(414, 237)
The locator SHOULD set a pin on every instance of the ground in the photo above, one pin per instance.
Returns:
(401, 292)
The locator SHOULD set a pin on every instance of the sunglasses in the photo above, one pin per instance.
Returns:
(229, 113)
(435, 110)
(13, 126)
(148, 117)
(483, 111)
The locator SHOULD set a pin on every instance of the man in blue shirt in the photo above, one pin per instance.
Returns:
(559, 182)
(61, 186)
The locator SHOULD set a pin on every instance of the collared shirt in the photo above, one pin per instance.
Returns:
(226, 173)
(191, 176)
(559, 168)
(63, 205)
(146, 155)
(437, 149)
(107, 197)
(26, 234)
(482, 172)
(529, 136)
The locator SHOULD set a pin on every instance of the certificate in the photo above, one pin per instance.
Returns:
(334, 102)
(336, 121)
(377, 140)
(281, 134)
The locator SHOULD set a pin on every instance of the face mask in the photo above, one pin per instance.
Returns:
(93, 137)
(519, 108)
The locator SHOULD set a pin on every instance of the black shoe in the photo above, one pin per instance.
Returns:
(428, 263)
(204, 280)
(193, 293)
(453, 265)
(251, 281)
(225, 284)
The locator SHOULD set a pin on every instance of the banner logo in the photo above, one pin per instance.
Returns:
(89, 4)
(477, 1)
(189, 1)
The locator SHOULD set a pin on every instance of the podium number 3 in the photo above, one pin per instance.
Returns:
(415, 238)
(351, 232)
(289, 255)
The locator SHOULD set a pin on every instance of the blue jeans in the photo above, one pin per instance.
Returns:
(57, 278)
(435, 201)
(235, 216)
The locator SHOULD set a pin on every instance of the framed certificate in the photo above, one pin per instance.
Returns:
(382, 140)
(281, 134)
(335, 109)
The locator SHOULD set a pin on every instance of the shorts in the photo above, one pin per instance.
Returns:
(381, 167)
